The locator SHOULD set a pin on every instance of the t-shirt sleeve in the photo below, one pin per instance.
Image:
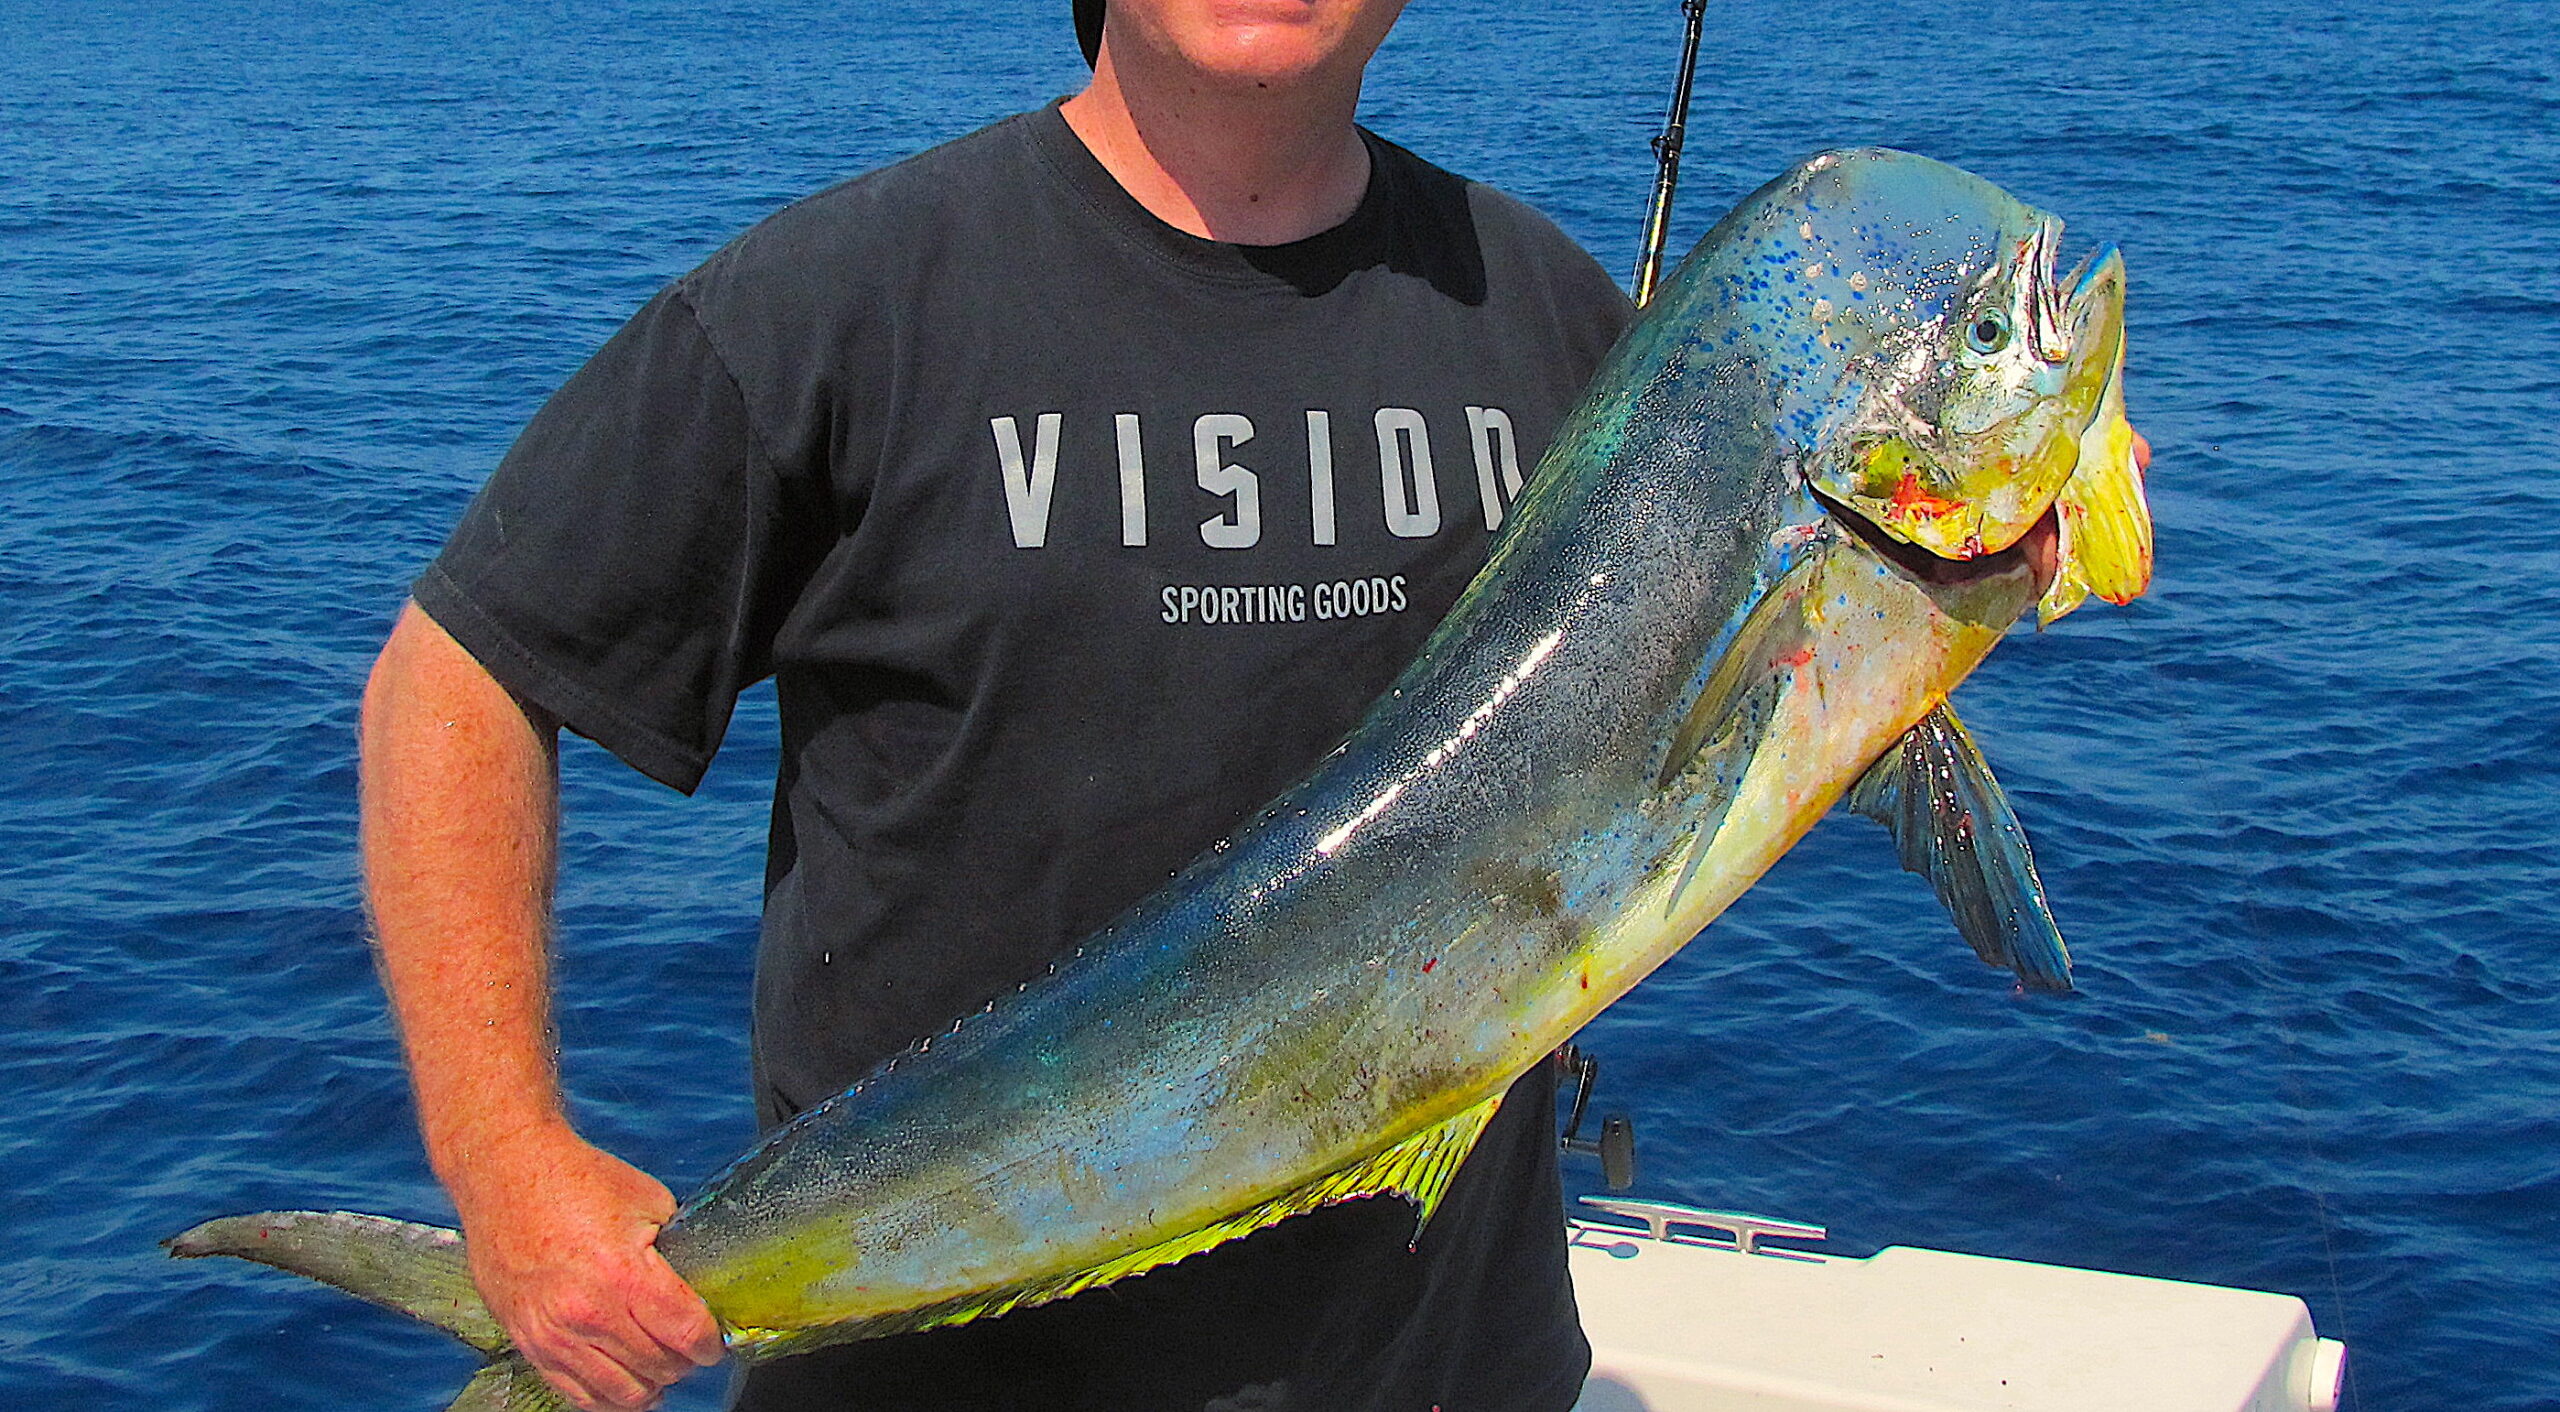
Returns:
(625, 566)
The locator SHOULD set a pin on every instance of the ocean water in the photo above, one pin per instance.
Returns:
(279, 279)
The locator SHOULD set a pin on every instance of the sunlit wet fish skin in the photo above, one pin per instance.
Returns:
(1681, 655)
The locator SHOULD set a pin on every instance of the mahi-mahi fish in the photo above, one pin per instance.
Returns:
(1864, 429)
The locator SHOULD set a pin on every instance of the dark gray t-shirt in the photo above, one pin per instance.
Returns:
(1069, 540)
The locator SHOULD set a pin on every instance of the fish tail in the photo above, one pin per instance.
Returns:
(417, 1270)
(508, 1384)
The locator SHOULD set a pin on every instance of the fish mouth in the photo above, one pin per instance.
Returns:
(2038, 550)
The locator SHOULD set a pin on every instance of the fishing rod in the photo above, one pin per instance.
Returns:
(1666, 151)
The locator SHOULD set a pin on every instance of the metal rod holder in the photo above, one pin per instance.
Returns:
(1745, 1229)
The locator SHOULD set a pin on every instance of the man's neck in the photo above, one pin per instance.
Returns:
(1254, 166)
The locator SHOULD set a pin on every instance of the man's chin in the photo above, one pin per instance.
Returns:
(1277, 45)
(1261, 60)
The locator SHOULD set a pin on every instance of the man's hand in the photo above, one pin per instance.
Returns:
(559, 1237)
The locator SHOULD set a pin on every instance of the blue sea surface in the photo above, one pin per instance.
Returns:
(280, 279)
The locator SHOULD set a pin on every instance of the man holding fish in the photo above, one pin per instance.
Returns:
(1038, 470)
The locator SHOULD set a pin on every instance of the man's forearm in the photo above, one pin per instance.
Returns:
(460, 803)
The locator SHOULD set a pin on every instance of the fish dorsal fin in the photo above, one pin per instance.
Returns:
(1955, 828)
(416, 1269)
(1417, 1169)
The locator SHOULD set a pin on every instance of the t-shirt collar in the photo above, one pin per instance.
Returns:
(1315, 263)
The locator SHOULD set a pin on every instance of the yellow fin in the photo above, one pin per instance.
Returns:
(1418, 1169)
(2105, 518)
(2106, 526)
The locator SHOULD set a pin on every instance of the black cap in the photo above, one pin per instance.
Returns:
(1089, 29)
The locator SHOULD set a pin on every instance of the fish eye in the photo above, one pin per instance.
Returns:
(1989, 332)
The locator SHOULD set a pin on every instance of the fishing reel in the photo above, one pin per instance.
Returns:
(1616, 1145)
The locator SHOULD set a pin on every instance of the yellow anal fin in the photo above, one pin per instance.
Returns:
(1418, 1169)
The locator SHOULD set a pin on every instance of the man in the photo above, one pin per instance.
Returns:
(1079, 482)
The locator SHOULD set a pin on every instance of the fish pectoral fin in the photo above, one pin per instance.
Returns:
(1738, 693)
(418, 1270)
(1418, 1169)
(1954, 827)
(1734, 708)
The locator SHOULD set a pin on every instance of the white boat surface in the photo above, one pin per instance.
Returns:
(1684, 1321)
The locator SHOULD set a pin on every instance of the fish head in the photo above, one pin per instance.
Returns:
(1961, 396)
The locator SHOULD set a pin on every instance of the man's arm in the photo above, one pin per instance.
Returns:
(461, 797)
